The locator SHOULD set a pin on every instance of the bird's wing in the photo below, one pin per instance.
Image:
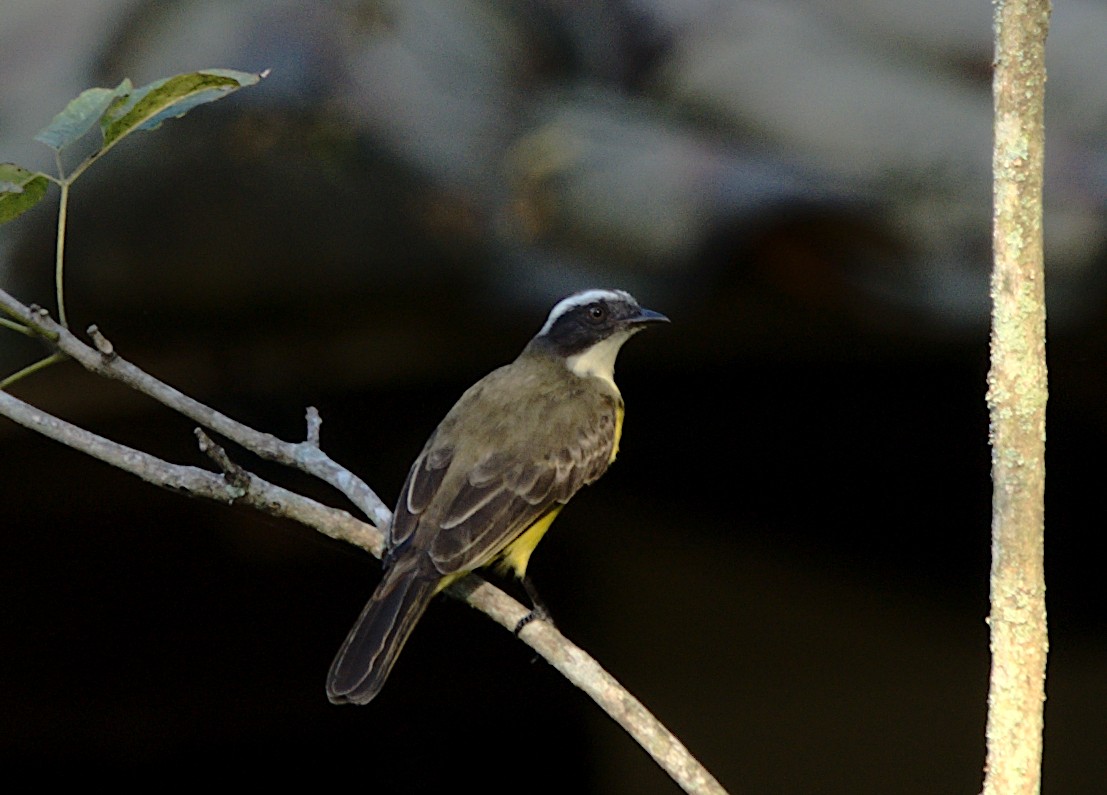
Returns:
(423, 481)
(503, 495)
(497, 498)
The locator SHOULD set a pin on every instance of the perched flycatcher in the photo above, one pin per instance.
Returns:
(494, 474)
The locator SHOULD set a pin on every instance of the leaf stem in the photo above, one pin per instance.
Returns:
(14, 326)
(59, 257)
(41, 364)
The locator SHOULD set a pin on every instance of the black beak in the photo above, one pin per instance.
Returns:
(645, 316)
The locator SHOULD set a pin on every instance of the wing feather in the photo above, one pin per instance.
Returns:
(503, 495)
(461, 511)
(424, 479)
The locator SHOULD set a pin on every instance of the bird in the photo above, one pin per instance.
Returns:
(493, 476)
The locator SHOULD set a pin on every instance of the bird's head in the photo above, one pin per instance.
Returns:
(587, 329)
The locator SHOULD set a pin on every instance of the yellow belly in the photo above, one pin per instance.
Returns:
(618, 432)
(517, 554)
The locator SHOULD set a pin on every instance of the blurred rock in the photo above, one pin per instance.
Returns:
(561, 145)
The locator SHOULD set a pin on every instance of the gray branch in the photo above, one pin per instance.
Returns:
(251, 490)
(103, 360)
(237, 485)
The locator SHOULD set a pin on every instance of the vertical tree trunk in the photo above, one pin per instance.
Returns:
(1017, 403)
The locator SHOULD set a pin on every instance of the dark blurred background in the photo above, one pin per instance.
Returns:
(789, 564)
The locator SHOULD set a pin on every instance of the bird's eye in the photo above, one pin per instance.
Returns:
(597, 313)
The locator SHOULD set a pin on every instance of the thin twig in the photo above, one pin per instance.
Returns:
(257, 493)
(232, 472)
(314, 425)
(245, 488)
(101, 343)
(305, 456)
(582, 670)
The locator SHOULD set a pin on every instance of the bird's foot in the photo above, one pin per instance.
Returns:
(538, 610)
(538, 613)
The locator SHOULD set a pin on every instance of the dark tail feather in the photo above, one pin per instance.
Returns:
(363, 663)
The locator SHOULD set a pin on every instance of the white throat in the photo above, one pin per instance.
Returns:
(599, 360)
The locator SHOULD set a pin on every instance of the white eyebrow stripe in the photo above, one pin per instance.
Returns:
(583, 299)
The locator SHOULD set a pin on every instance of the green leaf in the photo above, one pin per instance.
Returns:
(20, 190)
(147, 107)
(79, 115)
